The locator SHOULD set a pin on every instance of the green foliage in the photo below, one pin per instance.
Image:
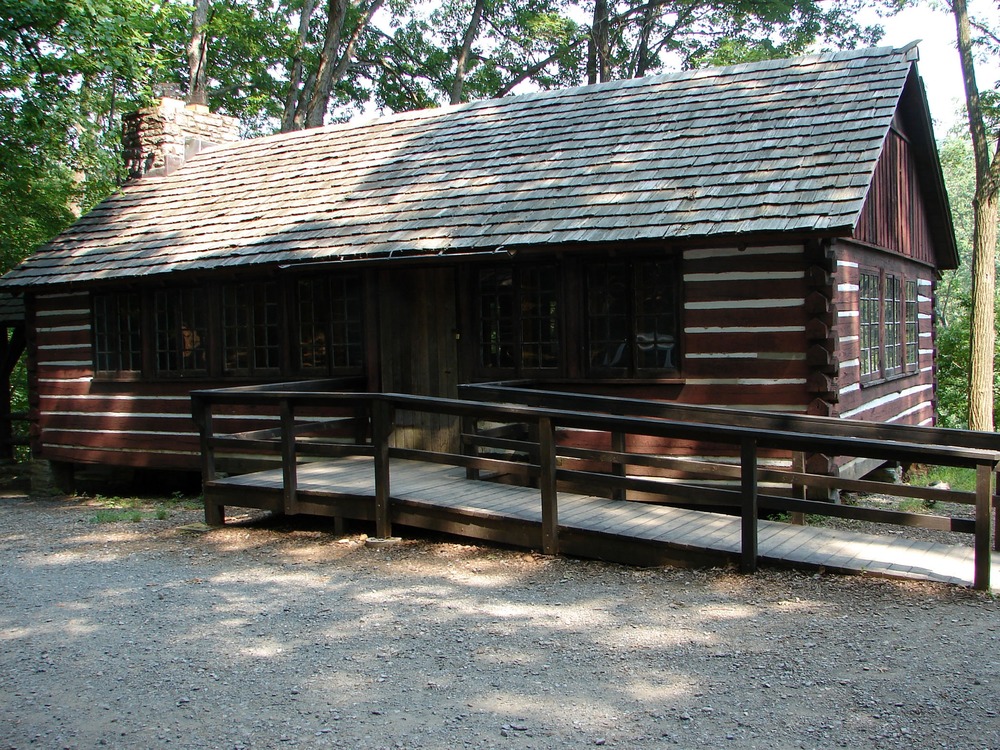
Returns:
(959, 479)
(68, 68)
(953, 367)
(954, 303)
(111, 515)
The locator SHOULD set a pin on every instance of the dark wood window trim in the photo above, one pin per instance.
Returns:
(519, 327)
(632, 317)
(182, 321)
(251, 329)
(889, 327)
(911, 315)
(329, 325)
(230, 331)
(117, 323)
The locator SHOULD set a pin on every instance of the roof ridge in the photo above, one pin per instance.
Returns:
(555, 94)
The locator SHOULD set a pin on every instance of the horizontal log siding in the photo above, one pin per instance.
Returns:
(894, 215)
(907, 399)
(743, 344)
(744, 319)
(120, 423)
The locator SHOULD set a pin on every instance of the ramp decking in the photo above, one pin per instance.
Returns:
(441, 498)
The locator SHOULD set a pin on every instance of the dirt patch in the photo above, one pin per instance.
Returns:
(156, 634)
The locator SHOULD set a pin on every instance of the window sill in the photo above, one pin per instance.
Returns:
(888, 379)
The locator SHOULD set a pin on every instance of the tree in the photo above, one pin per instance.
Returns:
(982, 336)
(68, 68)
(315, 73)
(198, 55)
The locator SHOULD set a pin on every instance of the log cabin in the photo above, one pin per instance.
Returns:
(765, 236)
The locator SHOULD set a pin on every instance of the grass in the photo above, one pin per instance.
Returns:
(957, 478)
(134, 509)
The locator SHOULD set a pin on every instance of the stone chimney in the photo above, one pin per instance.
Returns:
(157, 140)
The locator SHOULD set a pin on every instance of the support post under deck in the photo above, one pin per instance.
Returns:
(748, 482)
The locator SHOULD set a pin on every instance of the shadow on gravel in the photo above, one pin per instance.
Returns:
(274, 632)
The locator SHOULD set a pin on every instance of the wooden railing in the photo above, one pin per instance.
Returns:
(524, 444)
(10, 437)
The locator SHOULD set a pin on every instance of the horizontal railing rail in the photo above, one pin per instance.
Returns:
(524, 440)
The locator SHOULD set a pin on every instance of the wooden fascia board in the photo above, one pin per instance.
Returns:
(914, 107)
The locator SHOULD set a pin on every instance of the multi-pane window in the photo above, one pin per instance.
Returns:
(911, 360)
(892, 321)
(330, 329)
(888, 322)
(518, 317)
(181, 317)
(117, 333)
(871, 323)
(250, 328)
(233, 330)
(632, 317)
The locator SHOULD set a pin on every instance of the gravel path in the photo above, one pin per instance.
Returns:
(149, 635)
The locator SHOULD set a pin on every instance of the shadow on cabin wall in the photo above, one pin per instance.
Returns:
(50, 478)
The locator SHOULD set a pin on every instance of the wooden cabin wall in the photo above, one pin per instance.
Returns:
(744, 344)
(905, 399)
(894, 215)
(129, 423)
(419, 350)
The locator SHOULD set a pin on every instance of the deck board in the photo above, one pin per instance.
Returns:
(434, 490)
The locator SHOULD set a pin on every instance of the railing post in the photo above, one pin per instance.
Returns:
(289, 470)
(996, 511)
(382, 418)
(748, 514)
(547, 485)
(618, 468)
(984, 502)
(470, 427)
(215, 514)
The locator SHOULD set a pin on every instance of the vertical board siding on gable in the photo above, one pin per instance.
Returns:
(123, 423)
(908, 399)
(894, 216)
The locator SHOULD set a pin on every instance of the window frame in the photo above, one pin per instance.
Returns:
(488, 331)
(637, 273)
(260, 338)
(886, 341)
(112, 333)
(220, 304)
(335, 331)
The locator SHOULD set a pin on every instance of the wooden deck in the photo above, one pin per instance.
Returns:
(440, 498)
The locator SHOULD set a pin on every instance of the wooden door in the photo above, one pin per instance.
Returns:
(419, 351)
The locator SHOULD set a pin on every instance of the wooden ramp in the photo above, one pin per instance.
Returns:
(440, 498)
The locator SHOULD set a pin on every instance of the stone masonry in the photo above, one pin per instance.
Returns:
(159, 139)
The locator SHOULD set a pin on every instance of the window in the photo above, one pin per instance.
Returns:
(518, 318)
(233, 330)
(181, 331)
(892, 321)
(888, 321)
(911, 361)
(250, 328)
(870, 323)
(632, 317)
(330, 329)
(117, 333)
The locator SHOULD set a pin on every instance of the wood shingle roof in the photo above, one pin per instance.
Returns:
(777, 146)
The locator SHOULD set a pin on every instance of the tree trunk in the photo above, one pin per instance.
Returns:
(198, 55)
(295, 88)
(319, 100)
(599, 52)
(463, 56)
(982, 337)
(982, 341)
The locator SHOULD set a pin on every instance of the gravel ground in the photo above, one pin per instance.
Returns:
(271, 635)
